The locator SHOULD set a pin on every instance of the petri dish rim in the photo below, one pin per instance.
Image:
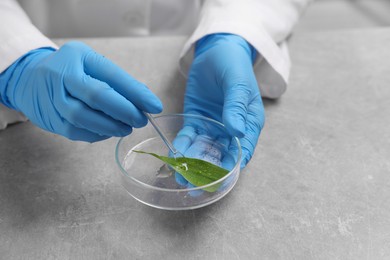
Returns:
(186, 207)
(187, 189)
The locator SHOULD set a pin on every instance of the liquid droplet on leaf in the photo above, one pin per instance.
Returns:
(185, 166)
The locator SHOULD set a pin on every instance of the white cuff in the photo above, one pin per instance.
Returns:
(9, 116)
(18, 45)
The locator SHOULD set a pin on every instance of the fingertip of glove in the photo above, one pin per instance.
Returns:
(124, 132)
(235, 124)
(194, 193)
(152, 105)
(94, 139)
(156, 107)
(243, 163)
(180, 179)
(238, 133)
(140, 122)
(237, 128)
(246, 157)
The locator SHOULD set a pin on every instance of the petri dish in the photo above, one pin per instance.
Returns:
(151, 182)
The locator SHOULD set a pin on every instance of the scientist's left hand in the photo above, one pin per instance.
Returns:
(222, 86)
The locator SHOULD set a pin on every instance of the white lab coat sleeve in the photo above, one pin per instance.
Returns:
(17, 34)
(9, 116)
(17, 37)
(265, 24)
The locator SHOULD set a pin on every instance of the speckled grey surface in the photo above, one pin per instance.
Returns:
(318, 186)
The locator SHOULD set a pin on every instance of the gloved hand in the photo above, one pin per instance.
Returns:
(77, 93)
(222, 85)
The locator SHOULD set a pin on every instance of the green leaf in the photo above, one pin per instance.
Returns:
(196, 171)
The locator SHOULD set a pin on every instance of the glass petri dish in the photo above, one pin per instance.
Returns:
(151, 182)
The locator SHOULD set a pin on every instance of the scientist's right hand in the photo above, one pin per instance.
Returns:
(77, 93)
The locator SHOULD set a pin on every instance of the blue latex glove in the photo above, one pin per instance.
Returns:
(77, 93)
(222, 85)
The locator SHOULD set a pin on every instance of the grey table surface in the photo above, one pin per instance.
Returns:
(318, 186)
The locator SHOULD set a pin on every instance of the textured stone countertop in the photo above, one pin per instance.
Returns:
(318, 186)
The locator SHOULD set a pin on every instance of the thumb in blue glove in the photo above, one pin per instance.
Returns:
(77, 93)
